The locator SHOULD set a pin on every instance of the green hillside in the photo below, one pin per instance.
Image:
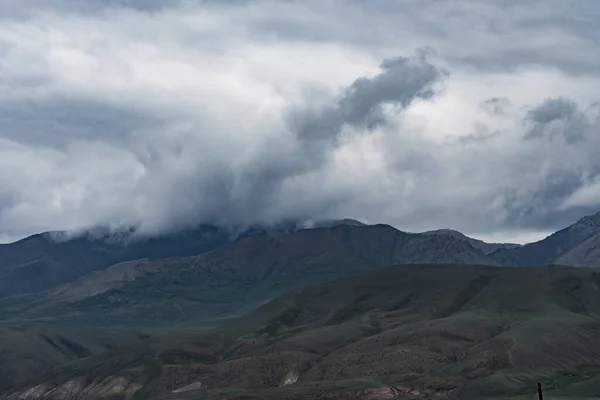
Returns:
(412, 331)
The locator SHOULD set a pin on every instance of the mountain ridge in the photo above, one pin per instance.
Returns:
(45, 261)
(42, 261)
(551, 248)
(238, 276)
(486, 247)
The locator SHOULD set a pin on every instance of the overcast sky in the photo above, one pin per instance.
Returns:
(475, 115)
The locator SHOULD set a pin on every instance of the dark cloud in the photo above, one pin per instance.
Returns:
(19, 9)
(558, 116)
(496, 105)
(360, 106)
(57, 122)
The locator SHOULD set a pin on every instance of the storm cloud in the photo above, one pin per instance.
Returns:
(470, 115)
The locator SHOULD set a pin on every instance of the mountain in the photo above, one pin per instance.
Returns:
(46, 260)
(586, 254)
(551, 249)
(486, 248)
(234, 278)
(411, 331)
(172, 278)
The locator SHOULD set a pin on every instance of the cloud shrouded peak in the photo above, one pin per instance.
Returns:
(168, 114)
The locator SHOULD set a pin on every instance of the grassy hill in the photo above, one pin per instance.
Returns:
(31, 350)
(411, 331)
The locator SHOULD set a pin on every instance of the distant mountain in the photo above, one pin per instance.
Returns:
(554, 248)
(413, 331)
(486, 248)
(337, 222)
(46, 260)
(586, 254)
(235, 278)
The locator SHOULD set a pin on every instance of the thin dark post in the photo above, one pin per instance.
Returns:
(540, 395)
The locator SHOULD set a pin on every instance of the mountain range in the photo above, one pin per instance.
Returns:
(337, 309)
(47, 260)
(209, 274)
(233, 278)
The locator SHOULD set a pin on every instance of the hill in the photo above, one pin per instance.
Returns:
(235, 278)
(412, 331)
(31, 350)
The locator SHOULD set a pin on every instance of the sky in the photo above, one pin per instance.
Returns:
(475, 115)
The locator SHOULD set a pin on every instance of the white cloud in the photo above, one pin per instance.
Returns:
(137, 113)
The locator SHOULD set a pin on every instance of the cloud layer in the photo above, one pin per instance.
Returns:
(474, 115)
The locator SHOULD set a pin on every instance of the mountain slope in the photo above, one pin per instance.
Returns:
(550, 249)
(29, 351)
(486, 248)
(237, 277)
(586, 254)
(41, 261)
(50, 259)
(412, 331)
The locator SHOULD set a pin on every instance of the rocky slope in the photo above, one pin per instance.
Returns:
(486, 248)
(586, 254)
(46, 260)
(551, 249)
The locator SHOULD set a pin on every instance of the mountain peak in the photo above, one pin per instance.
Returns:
(590, 220)
(486, 248)
(449, 232)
